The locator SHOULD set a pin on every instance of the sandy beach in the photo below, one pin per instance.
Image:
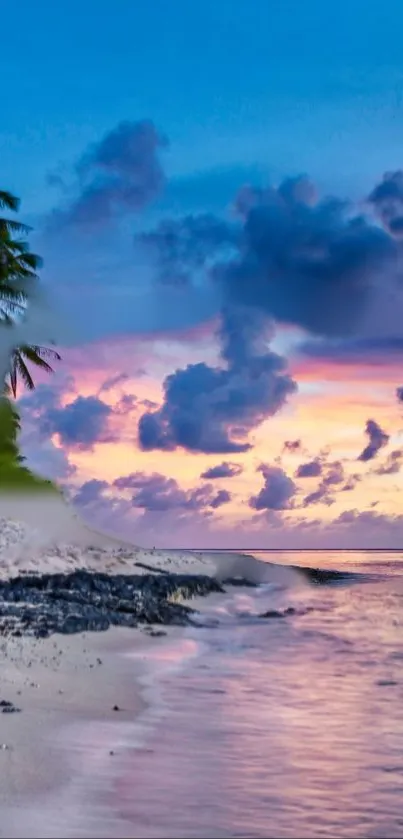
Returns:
(78, 694)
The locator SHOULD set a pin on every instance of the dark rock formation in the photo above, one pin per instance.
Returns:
(83, 601)
(8, 707)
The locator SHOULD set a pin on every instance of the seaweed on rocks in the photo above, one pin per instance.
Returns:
(82, 601)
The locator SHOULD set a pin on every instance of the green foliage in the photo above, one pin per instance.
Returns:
(14, 477)
(18, 279)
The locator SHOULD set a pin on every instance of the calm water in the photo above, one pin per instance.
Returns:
(289, 727)
(266, 727)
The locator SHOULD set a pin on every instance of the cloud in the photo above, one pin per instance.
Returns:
(294, 256)
(303, 259)
(116, 176)
(113, 381)
(377, 439)
(223, 470)
(387, 200)
(392, 464)
(399, 394)
(277, 492)
(90, 492)
(373, 352)
(125, 405)
(292, 446)
(213, 409)
(84, 421)
(351, 483)
(332, 476)
(309, 470)
(222, 497)
(157, 493)
(181, 249)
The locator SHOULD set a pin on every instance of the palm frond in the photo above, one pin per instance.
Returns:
(8, 201)
(12, 226)
(35, 355)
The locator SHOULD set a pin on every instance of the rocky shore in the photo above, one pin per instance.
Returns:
(42, 604)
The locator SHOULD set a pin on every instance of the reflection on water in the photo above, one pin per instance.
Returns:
(289, 727)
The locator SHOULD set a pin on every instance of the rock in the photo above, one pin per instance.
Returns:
(40, 605)
(8, 707)
(277, 613)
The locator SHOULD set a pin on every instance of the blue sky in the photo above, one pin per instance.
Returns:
(283, 84)
(246, 93)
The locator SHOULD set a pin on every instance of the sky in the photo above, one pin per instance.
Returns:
(216, 190)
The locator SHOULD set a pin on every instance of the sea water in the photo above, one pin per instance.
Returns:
(287, 726)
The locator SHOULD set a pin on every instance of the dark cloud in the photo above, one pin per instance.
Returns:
(277, 492)
(373, 352)
(399, 394)
(293, 256)
(118, 175)
(377, 439)
(222, 497)
(212, 409)
(303, 259)
(292, 446)
(351, 483)
(309, 470)
(392, 464)
(319, 496)
(157, 493)
(90, 492)
(223, 470)
(332, 476)
(83, 422)
(387, 199)
(181, 248)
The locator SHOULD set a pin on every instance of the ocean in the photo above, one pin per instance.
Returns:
(289, 725)
(285, 726)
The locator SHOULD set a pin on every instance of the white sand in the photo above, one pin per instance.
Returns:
(44, 534)
(58, 682)
(66, 688)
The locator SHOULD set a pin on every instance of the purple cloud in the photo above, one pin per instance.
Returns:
(377, 439)
(213, 409)
(309, 470)
(182, 248)
(277, 492)
(292, 446)
(392, 464)
(90, 492)
(118, 175)
(223, 470)
(157, 493)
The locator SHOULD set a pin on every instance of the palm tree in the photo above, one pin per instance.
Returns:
(18, 276)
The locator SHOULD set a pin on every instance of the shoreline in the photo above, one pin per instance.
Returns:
(63, 747)
(66, 742)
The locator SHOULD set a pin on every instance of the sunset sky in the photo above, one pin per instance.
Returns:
(216, 189)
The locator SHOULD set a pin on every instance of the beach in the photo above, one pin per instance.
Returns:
(79, 682)
(270, 707)
(66, 688)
